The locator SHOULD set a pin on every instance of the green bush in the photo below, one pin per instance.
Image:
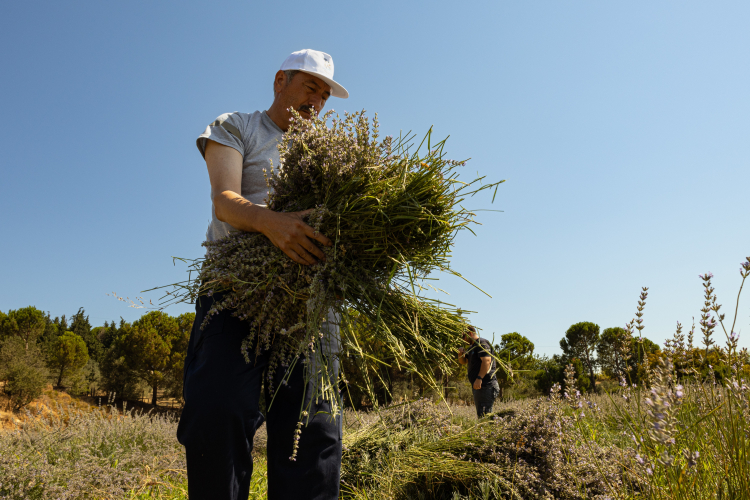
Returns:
(23, 384)
(552, 372)
(117, 377)
(22, 370)
(87, 379)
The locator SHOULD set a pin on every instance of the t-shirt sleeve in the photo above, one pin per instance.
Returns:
(226, 130)
(484, 349)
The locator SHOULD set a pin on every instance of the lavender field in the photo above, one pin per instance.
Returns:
(671, 423)
(670, 441)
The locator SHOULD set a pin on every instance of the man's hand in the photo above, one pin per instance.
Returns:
(477, 384)
(285, 230)
(295, 238)
(462, 356)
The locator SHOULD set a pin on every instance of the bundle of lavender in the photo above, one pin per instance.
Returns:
(392, 215)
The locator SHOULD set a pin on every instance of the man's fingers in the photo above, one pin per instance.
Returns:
(304, 255)
(296, 258)
(297, 239)
(313, 249)
(299, 255)
(317, 236)
(312, 233)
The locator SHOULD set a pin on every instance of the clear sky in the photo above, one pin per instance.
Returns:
(622, 128)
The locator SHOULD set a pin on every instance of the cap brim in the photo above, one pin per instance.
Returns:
(337, 90)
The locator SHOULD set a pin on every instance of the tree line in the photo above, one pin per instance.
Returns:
(594, 356)
(599, 358)
(119, 357)
(127, 359)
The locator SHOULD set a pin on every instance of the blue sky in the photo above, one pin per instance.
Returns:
(621, 128)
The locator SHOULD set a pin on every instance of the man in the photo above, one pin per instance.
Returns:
(222, 391)
(481, 370)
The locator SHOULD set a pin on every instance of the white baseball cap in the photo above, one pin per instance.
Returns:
(315, 63)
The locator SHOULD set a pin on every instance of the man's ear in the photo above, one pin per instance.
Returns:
(279, 81)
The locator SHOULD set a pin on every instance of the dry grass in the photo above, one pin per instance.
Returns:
(529, 449)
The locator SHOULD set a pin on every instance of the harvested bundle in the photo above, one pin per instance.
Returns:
(392, 215)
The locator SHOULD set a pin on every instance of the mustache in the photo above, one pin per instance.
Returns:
(306, 108)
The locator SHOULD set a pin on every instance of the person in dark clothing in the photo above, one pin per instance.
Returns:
(481, 370)
(222, 413)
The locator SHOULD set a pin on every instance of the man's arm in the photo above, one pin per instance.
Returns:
(485, 368)
(486, 364)
(285, 230)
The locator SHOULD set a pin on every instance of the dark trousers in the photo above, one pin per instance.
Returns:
(485, 397)
(222, 413)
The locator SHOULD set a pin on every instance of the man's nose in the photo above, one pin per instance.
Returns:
(317, 103)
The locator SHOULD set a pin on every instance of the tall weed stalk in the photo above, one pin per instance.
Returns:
(689, 430)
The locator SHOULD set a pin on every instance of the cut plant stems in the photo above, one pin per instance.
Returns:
(393, 213)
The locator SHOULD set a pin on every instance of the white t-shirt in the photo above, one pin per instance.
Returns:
(256, 137)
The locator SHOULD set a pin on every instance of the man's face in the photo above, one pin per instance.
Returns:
(304, 93)
(468, 338)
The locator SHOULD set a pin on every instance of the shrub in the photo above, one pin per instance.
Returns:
(553, 372)
(22, 370)
(87, 379)
(117, 377)
(23, 384)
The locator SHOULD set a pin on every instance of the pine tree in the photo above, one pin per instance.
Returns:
(148, 348)
(580, 342)
(81, 326)
(28, 323)
(68, 356)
